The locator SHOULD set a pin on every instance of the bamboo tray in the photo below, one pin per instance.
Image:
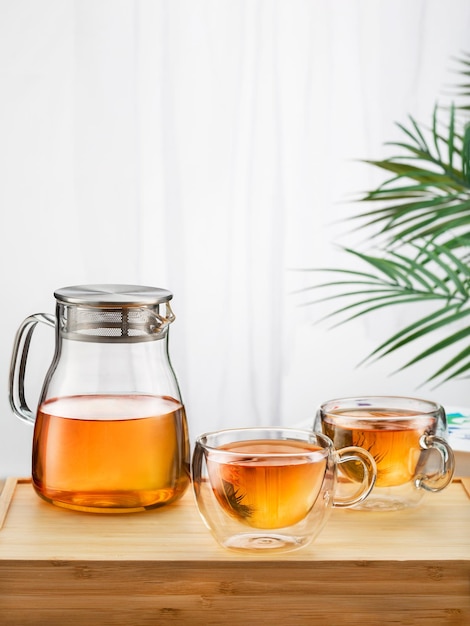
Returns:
(163, 567)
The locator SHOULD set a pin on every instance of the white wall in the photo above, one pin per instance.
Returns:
(207, 147)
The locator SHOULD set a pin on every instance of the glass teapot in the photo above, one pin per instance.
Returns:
(110, 431)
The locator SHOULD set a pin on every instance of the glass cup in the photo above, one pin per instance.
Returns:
(266, 489)
(406, 437)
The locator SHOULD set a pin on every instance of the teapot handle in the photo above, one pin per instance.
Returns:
(18, 364)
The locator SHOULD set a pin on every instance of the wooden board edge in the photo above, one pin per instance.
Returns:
(6, 495)
(465, 480)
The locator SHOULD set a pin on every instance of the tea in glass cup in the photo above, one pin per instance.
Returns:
(271, 488)
(406, 437)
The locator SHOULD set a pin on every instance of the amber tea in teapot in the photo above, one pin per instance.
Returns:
(124, 454)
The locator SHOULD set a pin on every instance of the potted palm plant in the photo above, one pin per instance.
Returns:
(418, 222)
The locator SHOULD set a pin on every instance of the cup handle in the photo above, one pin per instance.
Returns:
(438, 480)
(365, 458)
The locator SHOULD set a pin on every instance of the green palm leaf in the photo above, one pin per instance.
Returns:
(420, 217)
(400, 279)
(440, 190)
(421, 328)
(440, 345)
(417, 329)
(450, 364)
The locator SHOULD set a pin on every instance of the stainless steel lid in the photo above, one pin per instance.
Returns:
(113, 313)
(112, 295)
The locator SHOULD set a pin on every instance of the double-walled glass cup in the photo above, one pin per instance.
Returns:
(271, 488)
(406, 437)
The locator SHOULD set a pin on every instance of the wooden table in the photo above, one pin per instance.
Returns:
(59, 567)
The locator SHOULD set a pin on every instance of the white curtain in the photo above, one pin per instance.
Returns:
(208, 147)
